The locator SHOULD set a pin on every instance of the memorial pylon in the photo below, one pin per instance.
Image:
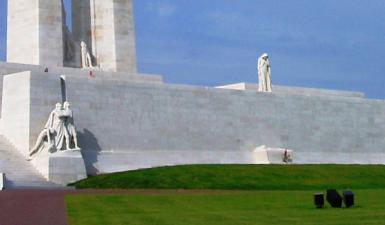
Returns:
(107, 27)
(35, 32)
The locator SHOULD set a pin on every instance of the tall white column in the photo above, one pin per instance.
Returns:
(35, 33)
(125, 46)
(107, 27)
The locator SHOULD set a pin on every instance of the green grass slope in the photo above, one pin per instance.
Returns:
(244, 177)
(225, 208)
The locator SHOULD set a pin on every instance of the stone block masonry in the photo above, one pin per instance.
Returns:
(128, 125)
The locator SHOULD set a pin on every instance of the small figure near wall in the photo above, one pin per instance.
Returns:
(60, 127)
(85, 56)
(264, 74)
(287, 157)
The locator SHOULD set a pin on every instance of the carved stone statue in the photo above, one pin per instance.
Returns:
(264, 74)
(58, 130)
(70, 125)
(45, 140)
(85, 56)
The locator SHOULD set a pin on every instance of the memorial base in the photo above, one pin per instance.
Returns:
(265, 155)
(61, 167)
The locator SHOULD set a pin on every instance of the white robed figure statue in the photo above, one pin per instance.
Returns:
(58, 131)
(264, 74)
(70, 135)
(85, 56)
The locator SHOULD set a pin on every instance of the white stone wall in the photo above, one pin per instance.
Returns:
(128, 125)
(9, 68)
(15, 122)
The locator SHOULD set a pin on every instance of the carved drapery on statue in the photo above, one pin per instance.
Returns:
(264, 74)
(59, 132)
(71, 138)
(85, 56)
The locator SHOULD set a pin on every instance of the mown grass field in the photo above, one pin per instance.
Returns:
(228, 208)
(244, 177)
(252, 195)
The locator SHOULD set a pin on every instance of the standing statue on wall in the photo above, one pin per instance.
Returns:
(85, 56)
(264, 74)
(58, 130)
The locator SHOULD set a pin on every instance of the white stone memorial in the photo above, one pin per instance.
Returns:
(107, 28)
(56, 153)
(126, 120)
(267, 155)
(35, 32)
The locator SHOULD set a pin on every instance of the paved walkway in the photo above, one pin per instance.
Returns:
(33, 207)
(47, 207)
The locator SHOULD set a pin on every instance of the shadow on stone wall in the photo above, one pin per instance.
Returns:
(90, 151)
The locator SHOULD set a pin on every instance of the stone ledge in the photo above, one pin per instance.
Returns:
(295, 90)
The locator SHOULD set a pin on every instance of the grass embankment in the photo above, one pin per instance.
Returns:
(229, 208)
(244, 177)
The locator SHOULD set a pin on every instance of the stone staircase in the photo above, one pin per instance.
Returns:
(19, 173)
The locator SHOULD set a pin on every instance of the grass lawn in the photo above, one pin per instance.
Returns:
(222, 208)
(244, 177)
(272, 194)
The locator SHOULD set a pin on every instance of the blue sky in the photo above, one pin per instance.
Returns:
(324, 44)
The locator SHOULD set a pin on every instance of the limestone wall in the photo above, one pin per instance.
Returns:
(15, 125)
(126, 125)
(10, 68)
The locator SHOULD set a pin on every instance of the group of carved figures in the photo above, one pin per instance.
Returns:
(264, 74)
(59, 132)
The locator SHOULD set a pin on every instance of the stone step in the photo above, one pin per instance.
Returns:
(18, 172)
(33, 185)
